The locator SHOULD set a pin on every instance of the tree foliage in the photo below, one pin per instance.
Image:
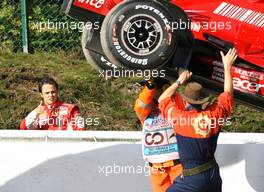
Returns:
(49, 29)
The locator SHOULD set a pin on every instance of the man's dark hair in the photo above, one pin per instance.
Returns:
(48, 80)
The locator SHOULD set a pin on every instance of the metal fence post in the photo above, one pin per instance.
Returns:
(24, 21)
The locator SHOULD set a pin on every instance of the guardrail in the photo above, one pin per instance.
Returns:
(96, 136)
(87, 161)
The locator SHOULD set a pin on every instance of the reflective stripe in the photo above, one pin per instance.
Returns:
(169, 113)
(141, 104)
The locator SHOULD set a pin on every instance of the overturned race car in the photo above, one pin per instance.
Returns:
(167, 35)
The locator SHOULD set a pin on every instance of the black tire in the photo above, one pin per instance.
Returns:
(96, 60)
(135, 36)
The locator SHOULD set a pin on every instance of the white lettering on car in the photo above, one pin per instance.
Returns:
(247, 85)
(95, 3)
(251, 74)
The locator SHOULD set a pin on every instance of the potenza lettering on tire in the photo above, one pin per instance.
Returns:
(156, 11)
(136, 35)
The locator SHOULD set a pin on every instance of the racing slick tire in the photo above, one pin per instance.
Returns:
(137, 35)
(97, 61)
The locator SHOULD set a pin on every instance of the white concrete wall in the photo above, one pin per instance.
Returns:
(32, 161)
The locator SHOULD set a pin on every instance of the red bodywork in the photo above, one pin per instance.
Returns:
(239, 23)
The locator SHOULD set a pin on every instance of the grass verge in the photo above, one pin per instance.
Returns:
(110, 101)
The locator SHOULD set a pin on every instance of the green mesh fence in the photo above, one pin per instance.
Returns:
(49, 29)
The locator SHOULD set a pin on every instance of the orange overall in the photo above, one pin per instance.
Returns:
(159, 142)
(197, 133)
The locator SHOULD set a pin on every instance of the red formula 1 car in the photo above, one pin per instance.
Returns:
(160, 34)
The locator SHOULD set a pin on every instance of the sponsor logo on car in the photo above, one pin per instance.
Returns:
(247, 85)
(251, 74)
(246, 80)
(94, 3)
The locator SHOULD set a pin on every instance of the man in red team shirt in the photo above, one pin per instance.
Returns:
(197, 129)
(52, 114)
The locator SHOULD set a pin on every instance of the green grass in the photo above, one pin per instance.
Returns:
(97, 98)
(111, 101)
